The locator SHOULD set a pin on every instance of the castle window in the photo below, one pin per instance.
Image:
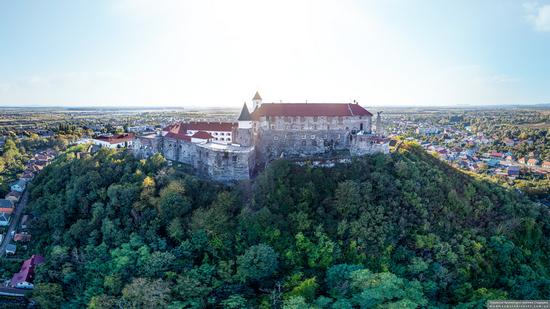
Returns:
(215, 133)
(313, 137)
(228, 134)
(287, 119)
(303, 143)
(315, 127)
(235, 158)
(272, 127)
(304, 136)
(340, 119)
(276, 138)
(302, 119)
(315, 119)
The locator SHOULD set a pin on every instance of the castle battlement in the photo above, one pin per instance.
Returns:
(227, 151)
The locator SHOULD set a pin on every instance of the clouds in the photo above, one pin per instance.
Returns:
(539, 16)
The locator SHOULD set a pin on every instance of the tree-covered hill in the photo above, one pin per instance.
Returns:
(386, 231)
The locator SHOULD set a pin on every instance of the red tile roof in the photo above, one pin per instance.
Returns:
(174, 127)
(202, 134)
(182, 127)
(22, 237)
(211, 126)
(309, 109)
(26, 274)
(179, 136)
(115, 139)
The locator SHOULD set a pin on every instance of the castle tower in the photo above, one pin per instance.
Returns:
(256, 100)
(245, 121)
(244, 131)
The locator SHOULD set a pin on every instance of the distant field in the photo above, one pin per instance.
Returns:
(540, 125)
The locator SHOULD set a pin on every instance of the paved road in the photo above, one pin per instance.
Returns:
(14, 222)
(6, 291)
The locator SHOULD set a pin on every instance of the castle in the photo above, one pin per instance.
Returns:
(227, 151)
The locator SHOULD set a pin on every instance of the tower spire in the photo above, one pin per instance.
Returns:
(245, 114)
(257, 100)
(257, 96)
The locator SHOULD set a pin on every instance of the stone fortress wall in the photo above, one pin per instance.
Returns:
(304, 136)
(260, 138)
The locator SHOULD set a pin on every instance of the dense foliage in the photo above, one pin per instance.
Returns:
(386, 231)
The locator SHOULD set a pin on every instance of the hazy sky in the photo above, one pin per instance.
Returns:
(218, 53)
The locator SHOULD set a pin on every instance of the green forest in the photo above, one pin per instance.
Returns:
(384, 231)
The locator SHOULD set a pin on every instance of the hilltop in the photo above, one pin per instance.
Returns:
(385, 230)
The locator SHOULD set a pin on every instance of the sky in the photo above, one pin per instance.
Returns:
(215, 53)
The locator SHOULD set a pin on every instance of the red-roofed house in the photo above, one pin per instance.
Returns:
(6, 206)
(201, 136)
(25, 277)
(546, 164)
(23, 237)
(496, 154)
(114, 141)
(221, 132)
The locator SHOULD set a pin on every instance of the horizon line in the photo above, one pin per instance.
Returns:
(62, 106)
